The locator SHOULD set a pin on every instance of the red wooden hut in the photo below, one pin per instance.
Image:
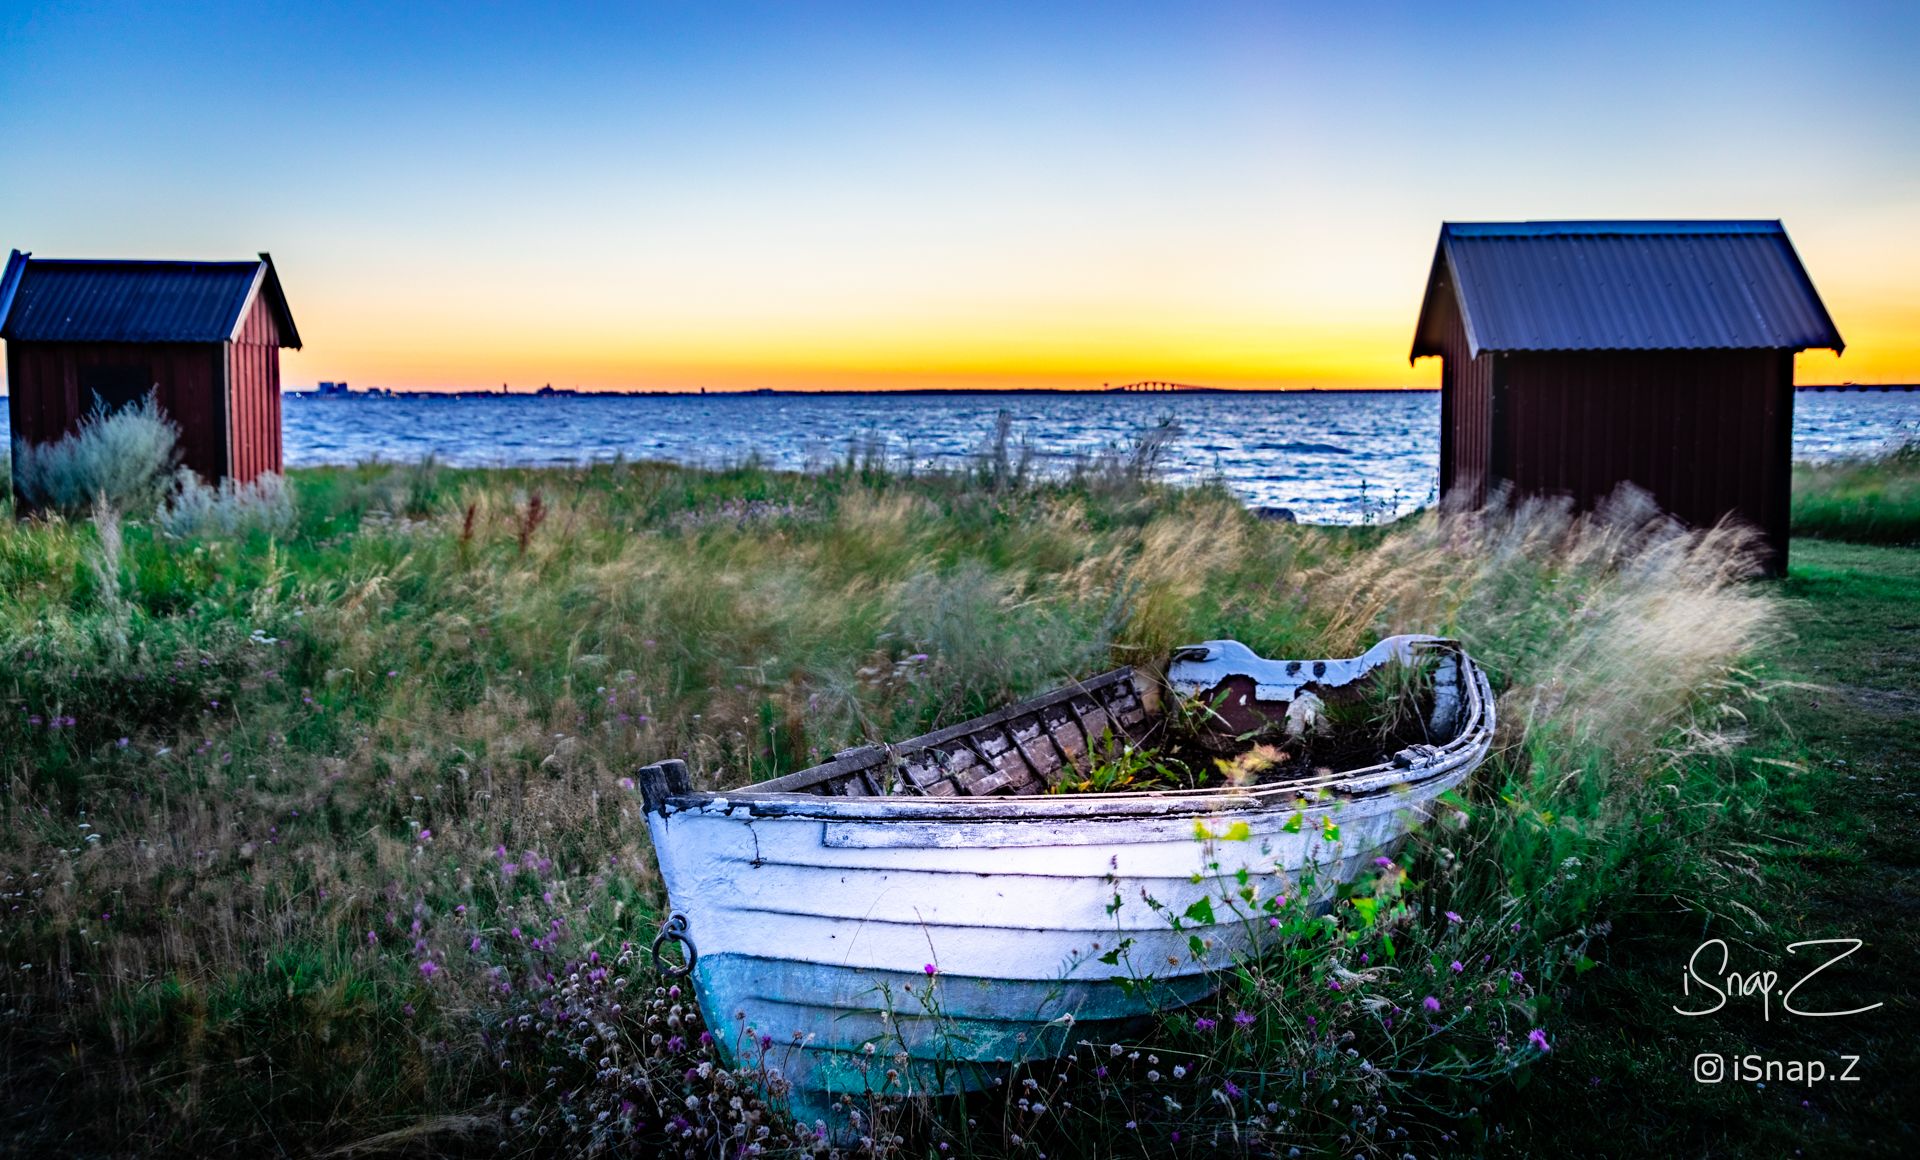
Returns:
(1576, 356)
(205, 337)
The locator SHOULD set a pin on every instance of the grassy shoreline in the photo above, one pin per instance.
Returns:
(297, 824)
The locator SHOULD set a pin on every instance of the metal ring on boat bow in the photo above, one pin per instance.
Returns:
(674, 929)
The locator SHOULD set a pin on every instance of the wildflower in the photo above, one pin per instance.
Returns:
(121, 744)
(1244, 1019)
(1232, 1089)
(1456, 967)
(1517, 977)
(931, 970)
(373, 940)
(1203, 1024)
(1273, 924)
(1383, 861)
(1538, 1038)
(426, 835)
(1179, 1071)
(429, 968)
(1430, 1003)
(1453, 916)
(1333, 984)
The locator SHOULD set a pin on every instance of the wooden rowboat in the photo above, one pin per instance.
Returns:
(929, 908)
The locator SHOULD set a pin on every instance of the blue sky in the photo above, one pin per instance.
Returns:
(691, 194)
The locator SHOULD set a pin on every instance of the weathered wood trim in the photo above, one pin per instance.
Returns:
(779, 798)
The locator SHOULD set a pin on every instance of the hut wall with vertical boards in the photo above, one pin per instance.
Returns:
(1578, 356)
(203, 337)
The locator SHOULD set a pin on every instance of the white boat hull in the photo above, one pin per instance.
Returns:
(969, 933)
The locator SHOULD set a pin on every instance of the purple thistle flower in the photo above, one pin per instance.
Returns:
(1202, 1023)
(373, 939)
(429, 968)
(1244, 1019)
(1453, 916)
(1538, 1038)
(1456, 967)
(1517, 977)
(1430, 1003)
(931, 970)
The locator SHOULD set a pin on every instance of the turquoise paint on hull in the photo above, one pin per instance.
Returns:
(838, 1031)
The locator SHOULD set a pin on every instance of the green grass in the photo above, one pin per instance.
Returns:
(1835, 853)
(1870, 501)
(297, 827)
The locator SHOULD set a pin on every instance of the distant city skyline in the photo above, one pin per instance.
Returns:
(864, 196)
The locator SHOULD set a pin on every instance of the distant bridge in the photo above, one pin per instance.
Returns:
(1136, 388)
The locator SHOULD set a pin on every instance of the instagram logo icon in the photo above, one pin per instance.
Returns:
(1709, 1068)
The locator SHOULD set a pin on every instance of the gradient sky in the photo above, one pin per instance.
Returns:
(796, 195)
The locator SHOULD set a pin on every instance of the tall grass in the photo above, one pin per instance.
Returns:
(315, 832)
(1872, 500)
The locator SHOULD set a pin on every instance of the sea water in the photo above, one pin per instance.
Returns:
(1327, 456)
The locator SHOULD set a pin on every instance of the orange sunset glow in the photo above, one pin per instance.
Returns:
(671, 201)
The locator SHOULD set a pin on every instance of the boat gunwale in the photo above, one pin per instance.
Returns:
(1465, 751)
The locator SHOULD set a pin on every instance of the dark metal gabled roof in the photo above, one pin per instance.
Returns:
(1623, 285)
(48, 300)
